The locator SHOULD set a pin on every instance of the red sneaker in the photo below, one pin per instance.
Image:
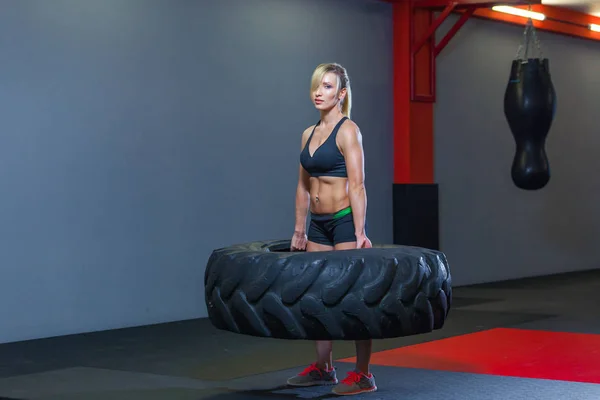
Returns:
(314, 376)
(355, 383)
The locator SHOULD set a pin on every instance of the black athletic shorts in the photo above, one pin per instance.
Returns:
(331, 229)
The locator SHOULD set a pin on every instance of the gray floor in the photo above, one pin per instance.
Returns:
(192, 360)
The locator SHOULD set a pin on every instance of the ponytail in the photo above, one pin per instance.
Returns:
(347, 102)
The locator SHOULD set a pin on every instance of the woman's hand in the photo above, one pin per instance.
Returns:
(299, 241)
(363, 242)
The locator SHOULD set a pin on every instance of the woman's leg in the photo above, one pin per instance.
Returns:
(324, 354)
(363, 347)
(363, 355)
(321, 372)
(360, 380)
(324, 347)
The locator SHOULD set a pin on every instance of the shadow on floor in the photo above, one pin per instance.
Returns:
(282, 392)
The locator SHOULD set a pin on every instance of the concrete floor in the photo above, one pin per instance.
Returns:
(192, 360)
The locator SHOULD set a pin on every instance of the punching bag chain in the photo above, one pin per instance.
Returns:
(524, 49)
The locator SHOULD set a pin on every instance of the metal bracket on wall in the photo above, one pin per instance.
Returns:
(428, 7)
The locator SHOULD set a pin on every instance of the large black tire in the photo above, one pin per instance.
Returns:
(263, 289)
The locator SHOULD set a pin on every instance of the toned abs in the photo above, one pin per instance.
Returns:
(328, 194)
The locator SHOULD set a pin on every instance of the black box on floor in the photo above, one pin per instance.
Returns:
(416, 215)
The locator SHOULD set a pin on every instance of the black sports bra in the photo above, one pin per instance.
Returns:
(327, 160)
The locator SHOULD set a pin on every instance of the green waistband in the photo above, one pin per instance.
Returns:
(343, 212)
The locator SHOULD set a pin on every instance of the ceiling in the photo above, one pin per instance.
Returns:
(586, 6)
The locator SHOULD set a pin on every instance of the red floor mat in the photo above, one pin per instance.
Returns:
(507, 352)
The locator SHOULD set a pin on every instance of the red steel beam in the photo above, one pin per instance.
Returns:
(466, 8)
(558, 20)
(470, 3)
(436, 23)
(414, 53)
(454, 30)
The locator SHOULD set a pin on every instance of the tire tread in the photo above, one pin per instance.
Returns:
(260, 289)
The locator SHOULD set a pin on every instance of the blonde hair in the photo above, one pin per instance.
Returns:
(343, 82)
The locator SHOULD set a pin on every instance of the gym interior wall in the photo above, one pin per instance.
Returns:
(139, 135)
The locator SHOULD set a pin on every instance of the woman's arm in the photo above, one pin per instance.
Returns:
(350, 140)
(302, 203)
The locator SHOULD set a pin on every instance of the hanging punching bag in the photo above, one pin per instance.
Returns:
(529, 107)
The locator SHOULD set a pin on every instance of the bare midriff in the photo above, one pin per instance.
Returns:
(328, 194)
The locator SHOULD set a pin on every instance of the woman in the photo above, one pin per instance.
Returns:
(331, 182)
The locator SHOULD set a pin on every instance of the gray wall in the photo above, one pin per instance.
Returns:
(491, 230)
(139, 135)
